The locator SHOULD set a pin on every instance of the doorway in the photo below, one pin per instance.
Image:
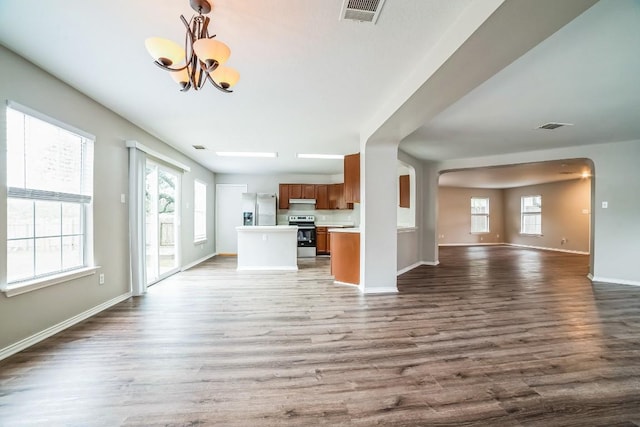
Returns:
(161, 219)
(228, 217)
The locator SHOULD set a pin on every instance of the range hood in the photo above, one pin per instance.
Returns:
(302, 201)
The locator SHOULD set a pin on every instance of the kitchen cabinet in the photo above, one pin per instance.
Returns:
(336, 197)
(295, 191)
(322, 241)
(322, 196)
(283, 196)
(352, 178)
(308, 191)
(404, 191)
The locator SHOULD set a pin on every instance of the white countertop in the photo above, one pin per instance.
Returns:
(344, 230)
(335, 225)
(263, 228)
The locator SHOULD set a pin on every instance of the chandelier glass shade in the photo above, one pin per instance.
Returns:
(202, 57)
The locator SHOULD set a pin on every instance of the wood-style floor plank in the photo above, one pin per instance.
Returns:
(493, 336)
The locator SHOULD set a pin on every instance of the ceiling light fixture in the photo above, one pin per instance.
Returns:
(202, 58)
(320, 156)
(244, 154)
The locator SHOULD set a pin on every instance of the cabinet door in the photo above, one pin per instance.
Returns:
(322, 196)
(308, 191)
(404, 191)
(295, 191)
(352, 178)
(283, 201)
(328, 242)
(321, 240)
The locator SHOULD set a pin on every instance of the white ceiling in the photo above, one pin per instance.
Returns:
(518, 175)
(310, 82)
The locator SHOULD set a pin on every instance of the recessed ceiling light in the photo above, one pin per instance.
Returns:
(320, 156)
(244, 154)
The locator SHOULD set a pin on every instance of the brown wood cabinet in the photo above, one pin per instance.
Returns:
(322, 241)
(405, 194)
(336, 197)
(322, 196)
(283, 196)
(352, 178)
(345, 257)
(295, 191)
(308, 191)
(327, 196)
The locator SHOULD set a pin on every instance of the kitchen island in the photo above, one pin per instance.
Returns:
(267, 247)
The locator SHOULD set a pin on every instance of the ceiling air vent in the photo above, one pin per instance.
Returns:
(361, 10)
(199, 147)
(553, 125)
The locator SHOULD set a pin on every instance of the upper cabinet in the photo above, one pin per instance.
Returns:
(283, 200)
(327, 196)
(352, 178)
(322, 196)
(405, 195)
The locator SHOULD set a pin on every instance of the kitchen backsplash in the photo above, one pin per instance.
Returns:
(330, 217)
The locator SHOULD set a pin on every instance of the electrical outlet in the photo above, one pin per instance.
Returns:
(101, 279)
(123, 198)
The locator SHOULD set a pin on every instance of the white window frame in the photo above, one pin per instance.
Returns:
(199, 210)
(486, 215)
(524, 214)
(85, 200)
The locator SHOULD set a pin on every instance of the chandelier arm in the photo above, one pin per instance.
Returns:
(167, 68)
(213, 82)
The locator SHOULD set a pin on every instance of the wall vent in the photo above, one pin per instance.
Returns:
(361, 10)
(553, 125)
(199, 147)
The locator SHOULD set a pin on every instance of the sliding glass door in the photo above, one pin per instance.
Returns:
(162, 226)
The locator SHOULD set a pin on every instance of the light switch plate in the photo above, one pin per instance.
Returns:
(605, 205)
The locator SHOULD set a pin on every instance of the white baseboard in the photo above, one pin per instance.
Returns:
(471, 244)
(194, 263)
(267, 268)
(547, 249)
(417, 264)
(612, 281)
(42, 335)
(378, 291)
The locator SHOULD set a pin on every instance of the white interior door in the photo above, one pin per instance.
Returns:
(228, 216)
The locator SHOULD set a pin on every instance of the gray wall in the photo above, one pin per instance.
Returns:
(454, 216)
(566, 208)
(27, 314)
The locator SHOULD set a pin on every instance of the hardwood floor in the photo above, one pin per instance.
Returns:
(493, 336)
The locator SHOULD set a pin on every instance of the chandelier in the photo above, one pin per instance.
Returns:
(201, 59)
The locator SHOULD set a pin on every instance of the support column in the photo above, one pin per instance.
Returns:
(378, 225)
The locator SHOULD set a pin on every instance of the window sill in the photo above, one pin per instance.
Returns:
(531, 235)
(480, 232)
(32, 285)
(200, 241)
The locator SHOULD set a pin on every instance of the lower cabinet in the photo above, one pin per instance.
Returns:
(322, 241)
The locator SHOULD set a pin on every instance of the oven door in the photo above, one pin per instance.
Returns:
(306, 236)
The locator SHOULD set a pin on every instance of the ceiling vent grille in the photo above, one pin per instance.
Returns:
(199, 147)
(361, 10)
(553, 125)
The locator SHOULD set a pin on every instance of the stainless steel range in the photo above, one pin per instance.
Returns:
(306, 234)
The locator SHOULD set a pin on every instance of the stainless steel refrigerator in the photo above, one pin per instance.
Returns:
(259, 209)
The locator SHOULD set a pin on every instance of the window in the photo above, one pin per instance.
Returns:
(531, 215)
(479, 214)
(49, 180)
(199, 211)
